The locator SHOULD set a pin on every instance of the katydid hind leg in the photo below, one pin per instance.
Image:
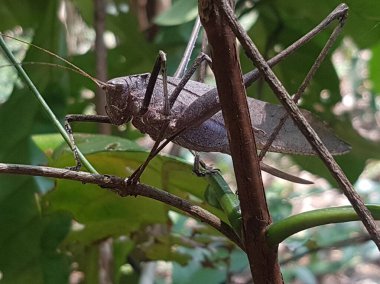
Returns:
(197, 62)
(207, 170)
(179, 73)
(321, 57)
(336, 15)
(280, 174)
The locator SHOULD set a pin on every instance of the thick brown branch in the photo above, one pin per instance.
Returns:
(118, 185)
(231, 90)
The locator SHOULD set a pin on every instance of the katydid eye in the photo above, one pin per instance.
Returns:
(119, 88)
(115, 88)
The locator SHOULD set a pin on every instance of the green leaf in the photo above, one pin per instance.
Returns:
(167, 248)
(30, 240)
(29, 16)
(86, 9)
(56, 266)
(361, 24)
(48, 142)
(180, 12)
(374, 71)
(102, 212)
(122, 247)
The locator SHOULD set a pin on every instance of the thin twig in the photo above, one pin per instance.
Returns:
(335, 170)
(118, 186)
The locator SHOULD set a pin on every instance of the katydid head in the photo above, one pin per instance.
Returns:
(117, 94)
(124, 96)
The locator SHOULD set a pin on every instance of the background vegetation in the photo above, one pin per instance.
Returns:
(53, 230)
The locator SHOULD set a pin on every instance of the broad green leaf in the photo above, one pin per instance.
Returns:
(167, 248)
(47, 142)
(374, 71)
(181, 12)
(29, 244)
(86, 8)
(122, 247)
(103, 213)
(29, 16)
(361, 23)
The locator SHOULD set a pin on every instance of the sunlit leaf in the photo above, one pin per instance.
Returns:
(181, 12)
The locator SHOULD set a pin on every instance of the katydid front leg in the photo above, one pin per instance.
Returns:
(82, 118)
(160, 66)
(168, 104)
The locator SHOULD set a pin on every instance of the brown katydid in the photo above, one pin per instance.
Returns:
(188, 112)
